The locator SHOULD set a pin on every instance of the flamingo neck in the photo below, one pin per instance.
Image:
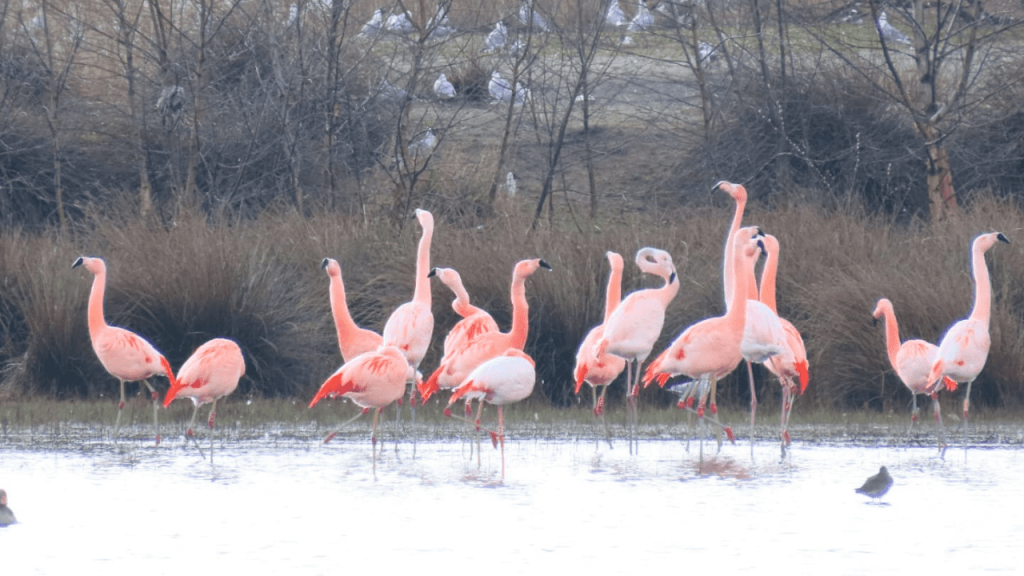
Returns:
(96, 320)
(892, 335)
(614, 293)
(520, 314)
(343, 323)
(421, 293)
(767, 293)
(728, 263)
(736, 310)
(982, 286)
(667, 292)
(461, 304)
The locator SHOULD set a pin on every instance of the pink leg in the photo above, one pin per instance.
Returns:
(967, 405)
(938, 421)
(501, 437)
(373, 438)
(156, 407)
(120, 407)
(346, 423)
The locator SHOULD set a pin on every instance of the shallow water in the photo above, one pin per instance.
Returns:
(286, 503)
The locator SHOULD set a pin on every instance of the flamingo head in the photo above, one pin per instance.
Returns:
(332, 267)
(736, 191)
(771, 243)
(526, 267)
(658, 262)
(884, 306)
(426, 218)
(615, 260)
(94, 265)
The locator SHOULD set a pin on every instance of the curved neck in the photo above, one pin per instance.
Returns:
(613, 295)
(520, 314)
(96, 321)
(422, 290)
(461, 303)
(982, 286)
(767, 293)
(728, 262)
(892, 335)
(343, 322)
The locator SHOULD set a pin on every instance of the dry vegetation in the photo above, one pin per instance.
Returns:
(285, 148)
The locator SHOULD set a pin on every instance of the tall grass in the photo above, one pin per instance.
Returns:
(259, 282)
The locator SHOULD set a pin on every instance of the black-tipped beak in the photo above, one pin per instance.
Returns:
(1002, 238)
(323, 265)
(672, 278)
(78, 262)
(545, 265)
(874, 322)
(759, 233)
(761, 246)
(432, 273)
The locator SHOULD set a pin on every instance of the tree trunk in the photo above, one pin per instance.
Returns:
(941, 196)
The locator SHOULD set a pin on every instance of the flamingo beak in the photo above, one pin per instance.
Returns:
(672, 278)
(79, 262)
(545, 265)
(323, 265)
(432, 273)
(1002, 238)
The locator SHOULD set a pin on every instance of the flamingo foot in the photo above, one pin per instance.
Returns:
(399, 402)
(189, 432)
(728, 432)
(469, 410)
(681, 405)
(448, 412)
(330, 437)
(714, 408)
(913, 419)
(373, 440)
(785, 437)
(121, 405)
(477, 424)
(635, 391)
(412, 401)
(494, 438)
(599, 409)
(157, 439)
(213, 416)
(153, 395)
(365, 411)
(700, 412)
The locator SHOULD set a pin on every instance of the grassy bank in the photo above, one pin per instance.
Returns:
(259, 282)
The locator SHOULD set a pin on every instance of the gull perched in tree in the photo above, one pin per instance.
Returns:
(424, 146)
(615, 16)
(501, 89)
(643, 19)
(439, 25)
(529, 16)
(889, 32)
(372, 28)
(443, 88)
(706, 52)
(496, 39)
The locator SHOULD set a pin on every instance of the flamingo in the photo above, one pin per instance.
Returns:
(454, 371)
(710, 349)
(501, 380)
(475, 321)
(352, 340)
(210, 373)
(125, 355)
(6, 514)
(600, 372)
(739, 194)
(410, 326)
(964, 348)
(371, 380)
(792, 363)
(912, 361)
(636, 323)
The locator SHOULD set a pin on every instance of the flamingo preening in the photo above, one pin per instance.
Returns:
(125, 355)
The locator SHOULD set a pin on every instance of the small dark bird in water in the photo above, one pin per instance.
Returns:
(877, 485)
(6, 516)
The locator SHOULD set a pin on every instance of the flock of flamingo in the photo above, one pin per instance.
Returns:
(483, 363)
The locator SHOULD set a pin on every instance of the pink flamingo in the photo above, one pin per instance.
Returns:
(501, 380)
(210, 373)
(710, 349)
(486, 346)
(352, 340)
(125, 355)
(475, 321)
(964, 348)
(601, 371)
(410, 326)
(792, 363)
(371, 380)
(636, 323)
(912, 361)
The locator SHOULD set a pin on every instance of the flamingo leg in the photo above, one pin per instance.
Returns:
(209, 423)
(629, 404)
(479, 414)
(938, 423)
(714, 412)
(345, 423)
(913, 412)
(156, 407)
(967, 405)
(120, 408)
(190, 434)
(753, 405)
(373, 438)
(600, 414)
(784, 417)
(636, 402)
(501, 437)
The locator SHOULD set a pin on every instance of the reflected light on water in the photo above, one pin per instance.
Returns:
(300, 507)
